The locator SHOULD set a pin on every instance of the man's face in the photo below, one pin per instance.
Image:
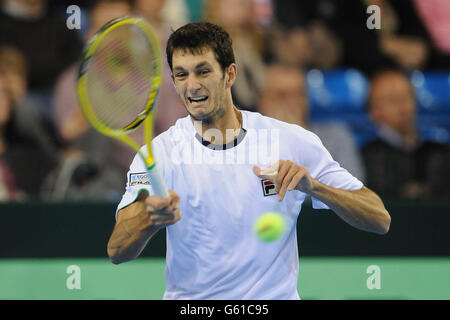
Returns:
(284, 95)
(200, 83)
(16, 84)
(150, 9)
(234, 13)
(392, 102)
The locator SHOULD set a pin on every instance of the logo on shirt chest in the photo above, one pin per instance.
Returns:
(139, 178)
(268, 187)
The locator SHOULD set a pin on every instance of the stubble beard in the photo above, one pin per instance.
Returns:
(211, 117)
(214, 115)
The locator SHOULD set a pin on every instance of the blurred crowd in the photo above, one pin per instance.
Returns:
(48, 150)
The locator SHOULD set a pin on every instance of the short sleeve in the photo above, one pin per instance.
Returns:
(137, 181)
(323, 168)
(137, 177)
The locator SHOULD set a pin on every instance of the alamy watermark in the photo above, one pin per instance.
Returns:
(254, 146)
(374, 20)
(374, 280)
(74, 19)
(73, 281)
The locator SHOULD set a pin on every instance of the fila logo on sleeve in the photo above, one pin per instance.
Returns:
(268, 187)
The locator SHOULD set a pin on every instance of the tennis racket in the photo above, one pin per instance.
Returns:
(118, 83)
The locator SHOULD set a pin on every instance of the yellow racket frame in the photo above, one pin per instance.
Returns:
(146, 116)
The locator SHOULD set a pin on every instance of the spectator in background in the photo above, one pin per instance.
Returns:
(398, 162)
(435, 15)
(170, 107)
(164, 14)
(152, 12)
(92, 165)
(8, 190)
(29, 122)
(303, 34)
(284, 98)
(401, 42)
(236, 17)
(339, 37)
(290, 46)
(48, 45)
(402, 38)
(31, 151)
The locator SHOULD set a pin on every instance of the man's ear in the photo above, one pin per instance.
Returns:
(230, 75)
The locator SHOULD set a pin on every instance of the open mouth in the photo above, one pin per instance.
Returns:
(198, 99)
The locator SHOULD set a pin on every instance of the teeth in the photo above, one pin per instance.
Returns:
(198, 98)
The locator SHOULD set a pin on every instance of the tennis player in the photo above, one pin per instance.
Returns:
(220, 184)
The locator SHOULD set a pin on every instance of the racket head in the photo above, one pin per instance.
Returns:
(119, 78)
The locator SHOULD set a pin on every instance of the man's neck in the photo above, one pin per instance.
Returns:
(406, 139)
(410, 138)
(228, 125)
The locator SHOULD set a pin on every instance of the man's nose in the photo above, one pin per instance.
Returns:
(192, 83)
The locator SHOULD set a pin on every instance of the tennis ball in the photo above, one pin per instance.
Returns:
(270, 226)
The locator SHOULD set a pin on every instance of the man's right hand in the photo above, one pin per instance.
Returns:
(163, 211)
(137, 223)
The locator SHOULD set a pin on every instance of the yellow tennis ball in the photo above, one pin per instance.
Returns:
(270, 226)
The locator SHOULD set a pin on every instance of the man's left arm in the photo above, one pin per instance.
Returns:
(362, 209)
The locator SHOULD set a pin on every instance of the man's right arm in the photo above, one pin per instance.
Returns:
(137, 223)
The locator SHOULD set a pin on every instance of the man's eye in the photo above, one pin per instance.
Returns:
(203, 72)
(180, 75)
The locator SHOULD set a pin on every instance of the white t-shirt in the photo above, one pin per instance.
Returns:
(213, 252)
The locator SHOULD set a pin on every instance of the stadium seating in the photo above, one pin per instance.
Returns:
(337, 95)
(341, 95)
(433, 97)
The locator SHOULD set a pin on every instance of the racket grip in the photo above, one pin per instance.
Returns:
(158, 185)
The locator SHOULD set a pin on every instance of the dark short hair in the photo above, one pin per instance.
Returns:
(195, 37)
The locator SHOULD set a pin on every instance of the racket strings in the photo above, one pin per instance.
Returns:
(119, 77)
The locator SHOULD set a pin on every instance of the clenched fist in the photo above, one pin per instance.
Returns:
(163, 211)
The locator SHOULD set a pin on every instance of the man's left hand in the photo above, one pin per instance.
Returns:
(287, 176)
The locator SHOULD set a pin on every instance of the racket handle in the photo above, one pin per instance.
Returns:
(158, 185)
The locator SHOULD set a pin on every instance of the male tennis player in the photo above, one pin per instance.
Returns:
(218, 186)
